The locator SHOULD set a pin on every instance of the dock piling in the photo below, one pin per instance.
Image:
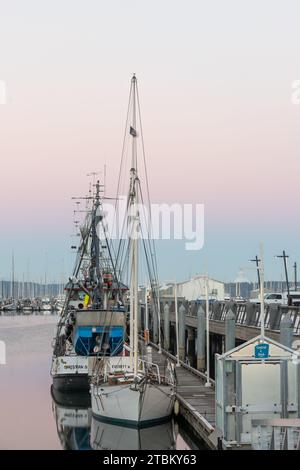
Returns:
(200, 338)
(286, 331)
(155, 324)
(181, 320)
(229, 330)
(166, 327)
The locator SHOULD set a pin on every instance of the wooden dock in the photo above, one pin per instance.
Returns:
(196, 401)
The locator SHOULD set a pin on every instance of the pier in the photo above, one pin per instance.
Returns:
(196, 401)
(231, 327)
(247, 319)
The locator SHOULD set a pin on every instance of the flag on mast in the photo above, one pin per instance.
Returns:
(133, 131)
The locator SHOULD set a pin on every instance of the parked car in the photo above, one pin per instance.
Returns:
(271, 298)
(294, 298)
(280, 298)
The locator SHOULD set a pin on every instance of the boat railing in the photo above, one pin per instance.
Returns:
(98, 369)
(149, 367)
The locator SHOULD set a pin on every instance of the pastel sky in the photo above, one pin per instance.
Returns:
(215, 82)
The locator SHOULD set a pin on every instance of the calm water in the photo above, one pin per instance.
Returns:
(29, 417)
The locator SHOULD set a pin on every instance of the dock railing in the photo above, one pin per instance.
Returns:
(248, 314)
(276, 434)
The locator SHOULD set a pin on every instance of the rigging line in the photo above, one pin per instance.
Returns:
(149, 226)
(128, 235)
(85, 244)
(151, 273)
(119, 389)
(109, 323)
(67, 299)
(111, 259)
(125, 259)
(148, 267)
(117, 348)
(123, 229)
(125, 135)
(154, 265)
(156, 297)
(124, 142)
(144, 157)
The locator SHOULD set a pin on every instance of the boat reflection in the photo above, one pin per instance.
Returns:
(72, 414)
(107, 436)
(78, 429)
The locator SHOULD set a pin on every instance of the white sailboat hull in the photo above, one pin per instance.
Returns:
(121, 404)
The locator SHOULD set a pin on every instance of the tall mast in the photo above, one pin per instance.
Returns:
(13, 276)
(133, 237)
(95, 273)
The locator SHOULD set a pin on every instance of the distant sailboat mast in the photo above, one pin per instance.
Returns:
(13, 276)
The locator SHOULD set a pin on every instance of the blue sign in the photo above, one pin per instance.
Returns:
(261, 351)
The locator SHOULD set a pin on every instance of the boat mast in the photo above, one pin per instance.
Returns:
(133, 214)
(95, 248)
(13, 276)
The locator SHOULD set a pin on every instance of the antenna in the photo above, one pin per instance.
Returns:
(104, 178)
(13, 276)
(256, 260)
(93, 174)
(284, 256)
(262, 296)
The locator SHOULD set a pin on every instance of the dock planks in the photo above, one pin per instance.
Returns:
(197, 402)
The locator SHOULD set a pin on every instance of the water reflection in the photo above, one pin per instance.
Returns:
(106, 436)
(57, 421)
(72, 414)
(79, 430)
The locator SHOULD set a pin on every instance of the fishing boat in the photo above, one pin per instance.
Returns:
(128, 389)
(93, 319)
(73, 421)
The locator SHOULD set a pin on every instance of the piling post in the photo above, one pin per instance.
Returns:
(229, 330)
(155, 324)
(286, 331)
(200, 338)
(275, 315)
(231, 392)
(140, 316)
(286, 338)
(191, 345)
(181, 321)
(250, 312)
(166, 327)
(232, 306)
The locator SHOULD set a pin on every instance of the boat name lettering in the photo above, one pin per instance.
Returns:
(123, 366)
(75, 366)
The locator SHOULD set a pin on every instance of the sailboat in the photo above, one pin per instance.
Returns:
(130, 390)
(93, 319)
